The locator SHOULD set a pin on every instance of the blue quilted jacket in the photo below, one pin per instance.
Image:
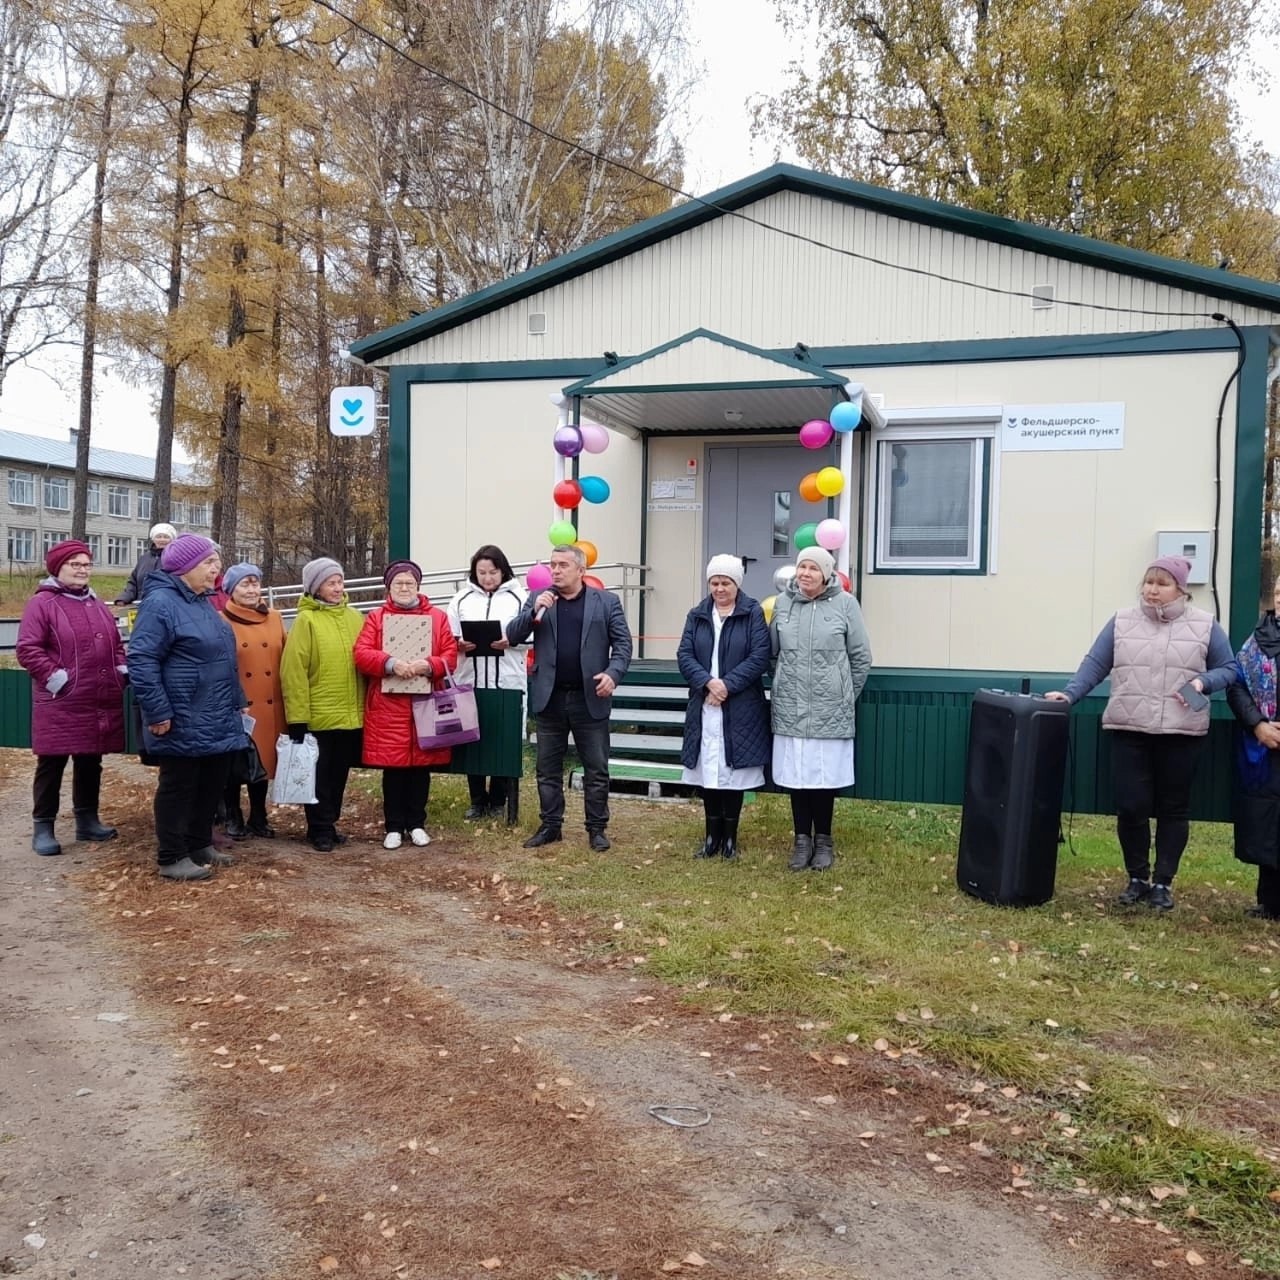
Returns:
(182, 665)
(744, 658)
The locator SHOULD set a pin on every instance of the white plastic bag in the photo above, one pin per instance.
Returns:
(295, 770)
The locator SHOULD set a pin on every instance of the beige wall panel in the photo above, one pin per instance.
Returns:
(482, 468)
(1075, 528)
(771, 291)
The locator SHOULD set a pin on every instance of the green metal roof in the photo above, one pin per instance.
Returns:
(785, 177)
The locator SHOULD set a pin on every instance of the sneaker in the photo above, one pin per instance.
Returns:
(419, 837)
(185, 869)
(1137, 891)
(392, 840)
(1160, 898)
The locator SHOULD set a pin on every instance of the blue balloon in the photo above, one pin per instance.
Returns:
(845, 416)
(594, 488)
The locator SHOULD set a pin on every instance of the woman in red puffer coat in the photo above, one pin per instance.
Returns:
(390, 738)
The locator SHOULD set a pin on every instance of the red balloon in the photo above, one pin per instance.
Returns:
(567, 494)
(592, 581)
(845, 583)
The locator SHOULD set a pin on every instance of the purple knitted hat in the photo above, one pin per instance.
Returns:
(1176, 567)
(185, 552)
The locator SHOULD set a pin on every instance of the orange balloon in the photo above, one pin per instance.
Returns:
(592, 581)
(588, 550)
(809, 488)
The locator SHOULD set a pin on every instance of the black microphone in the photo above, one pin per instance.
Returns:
(538, 615)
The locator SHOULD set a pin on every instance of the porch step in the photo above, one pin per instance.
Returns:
(650, 778)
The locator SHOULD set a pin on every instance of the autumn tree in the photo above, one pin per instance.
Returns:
(1111, 118)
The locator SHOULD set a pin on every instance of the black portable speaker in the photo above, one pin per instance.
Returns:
(1012, 798)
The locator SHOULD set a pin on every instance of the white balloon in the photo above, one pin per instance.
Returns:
(782, 576)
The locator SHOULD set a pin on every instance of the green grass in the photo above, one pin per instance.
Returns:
(1156, 1036)
(16, 588)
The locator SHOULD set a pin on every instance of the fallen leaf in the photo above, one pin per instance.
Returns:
(671, 1265)
(694, 1260)
(1049, 1022)
(328, 1263)
(1274, 1196)
(1194, 1259)
(926, 1014)
(320, 1199)
(491, 1264)
(1160, 1194)
(880, 1045)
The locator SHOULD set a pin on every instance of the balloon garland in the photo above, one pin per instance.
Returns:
(571, 441)
(826, 482)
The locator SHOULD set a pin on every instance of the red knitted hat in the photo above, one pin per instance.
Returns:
(61, 552)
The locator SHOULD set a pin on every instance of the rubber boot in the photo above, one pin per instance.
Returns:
(89, 827)
(729, 849)
(714, 841)
(43, 840)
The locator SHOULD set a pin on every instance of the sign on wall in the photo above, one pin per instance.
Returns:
(352, 411)
(1026, 428)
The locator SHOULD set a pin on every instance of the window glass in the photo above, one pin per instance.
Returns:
(118, 503)
(22, 546)
(22, 490)
(930, 503)
(52, 537)
(144, 504)
(782, 523)
(119, 551)
(93, 498)
(57, 493)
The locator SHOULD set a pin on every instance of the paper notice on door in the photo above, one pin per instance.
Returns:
(659, 489)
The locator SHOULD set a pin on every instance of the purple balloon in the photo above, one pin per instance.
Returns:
(567, 441)
(538, 578)
(816, 433)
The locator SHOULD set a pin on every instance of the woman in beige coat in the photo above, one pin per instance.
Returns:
(260, 638)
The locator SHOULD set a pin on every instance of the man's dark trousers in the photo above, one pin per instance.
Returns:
(566, 712)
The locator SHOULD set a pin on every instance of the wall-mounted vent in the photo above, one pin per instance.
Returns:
(1041, 296)
(537, 322)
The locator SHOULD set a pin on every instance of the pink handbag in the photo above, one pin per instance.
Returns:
(446, 717)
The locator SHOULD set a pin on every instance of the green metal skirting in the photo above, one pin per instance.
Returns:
(912, 736)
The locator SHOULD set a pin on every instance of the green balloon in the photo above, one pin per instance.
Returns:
(806, 536)
(562, 533)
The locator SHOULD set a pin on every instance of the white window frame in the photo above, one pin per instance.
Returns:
(144, 499)
(51, 537)
(19, 482)
(979, 423)
(95, 546)
(59, 485)
(115, 491)
(120, 542)
(29, 538)
(179, 515)
(93, 498)
(201, 517)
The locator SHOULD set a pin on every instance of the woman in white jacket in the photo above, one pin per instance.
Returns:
(491, 595)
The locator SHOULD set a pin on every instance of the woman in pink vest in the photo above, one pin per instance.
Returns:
(1152, 652)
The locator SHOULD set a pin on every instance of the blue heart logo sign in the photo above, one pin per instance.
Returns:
(353, 411)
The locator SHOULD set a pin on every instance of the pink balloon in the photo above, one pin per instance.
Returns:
(538, 578)
(816, 433)
(595, 439)
(830, 534)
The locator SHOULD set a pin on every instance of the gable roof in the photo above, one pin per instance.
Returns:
(786, 177)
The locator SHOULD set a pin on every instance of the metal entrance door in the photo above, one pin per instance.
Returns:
(753, 508)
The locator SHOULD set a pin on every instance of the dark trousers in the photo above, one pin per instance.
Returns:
(812, 809)
(339, 752)
(257, 800)
(186, 797)
(566, 713)
(46, 789)
(485, 792)
(1269, 889)
(405, 793)
(722, 804)
(1152, 775)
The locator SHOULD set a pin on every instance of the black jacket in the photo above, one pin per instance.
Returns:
(148, 562)
(1256, 806)
(744, 658)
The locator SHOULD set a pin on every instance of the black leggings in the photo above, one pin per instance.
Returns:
(722, 804)
(1152, 773)
(811, 810)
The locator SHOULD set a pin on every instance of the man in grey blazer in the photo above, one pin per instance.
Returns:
(581, 651)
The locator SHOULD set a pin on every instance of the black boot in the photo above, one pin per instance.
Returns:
(43, 840)
(233, 823)
(88, 826)
(714, 840)
(824, 855)
(729, 849)
(258, 824)
(801, 853)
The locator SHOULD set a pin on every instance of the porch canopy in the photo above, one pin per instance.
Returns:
(704, 382)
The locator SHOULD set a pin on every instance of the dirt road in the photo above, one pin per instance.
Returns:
(396, 1064)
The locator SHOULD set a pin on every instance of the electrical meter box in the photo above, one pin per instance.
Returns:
(1196, 547)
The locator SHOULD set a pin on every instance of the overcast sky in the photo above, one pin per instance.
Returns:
(744, 54)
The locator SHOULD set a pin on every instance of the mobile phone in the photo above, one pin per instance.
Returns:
(1192, 696)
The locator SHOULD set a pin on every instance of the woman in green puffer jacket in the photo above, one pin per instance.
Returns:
(821, 659)
(323, 692)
